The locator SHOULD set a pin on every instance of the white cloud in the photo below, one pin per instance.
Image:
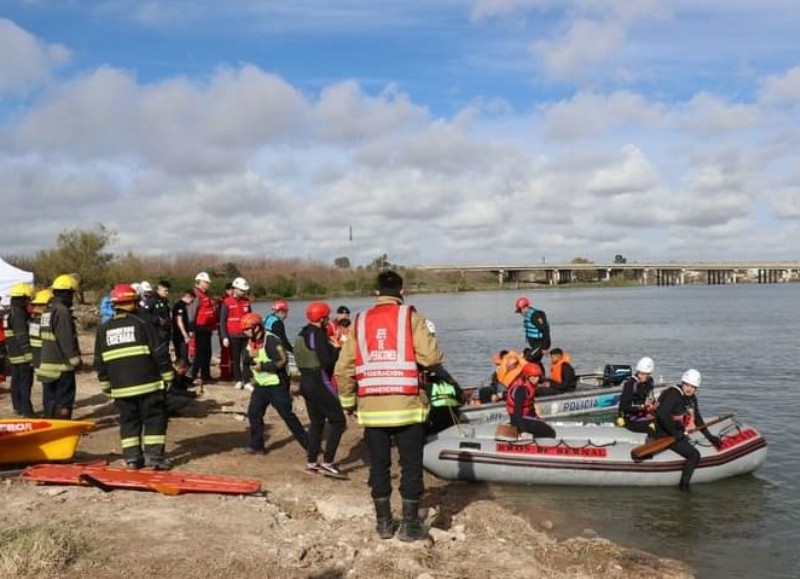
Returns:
(781, 89)
(25, 61)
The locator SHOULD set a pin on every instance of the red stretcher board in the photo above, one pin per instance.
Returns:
(165, 482)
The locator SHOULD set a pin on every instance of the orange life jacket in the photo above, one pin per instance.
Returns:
(555, 368)
(509, 367)
(385, 358)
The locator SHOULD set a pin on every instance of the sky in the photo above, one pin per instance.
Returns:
(436, 131)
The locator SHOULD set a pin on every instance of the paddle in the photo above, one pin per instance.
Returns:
(653, 447)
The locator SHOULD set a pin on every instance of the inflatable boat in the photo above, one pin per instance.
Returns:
(586, 454)
(30, 440)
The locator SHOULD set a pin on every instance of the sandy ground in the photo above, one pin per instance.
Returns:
(299, 526)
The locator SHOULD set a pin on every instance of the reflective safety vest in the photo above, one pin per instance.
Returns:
(18, 344)
(35, 333)
(532, 331)
(444, 394)
(125, 346)
(385, 359)
(237, 307)
(60, 352)
(528, 408)
(263, 378)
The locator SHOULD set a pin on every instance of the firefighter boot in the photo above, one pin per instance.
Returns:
(410, 527)
(383, 512)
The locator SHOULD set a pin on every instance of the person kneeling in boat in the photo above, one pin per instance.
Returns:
(520, 403)
(562, 375)
(133, 366)
(636, 403)
(678, 415)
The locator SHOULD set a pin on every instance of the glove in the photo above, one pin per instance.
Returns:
(226, 342)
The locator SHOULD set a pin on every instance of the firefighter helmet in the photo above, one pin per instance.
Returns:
(65, 282)
(21, 290)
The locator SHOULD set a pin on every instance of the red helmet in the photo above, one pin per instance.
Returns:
(280, 306)
(522, 302)
(531, 369)
(250, 320)
(317, 311)
(123, 293)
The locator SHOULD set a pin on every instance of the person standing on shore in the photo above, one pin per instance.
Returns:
(334, 328)
(161, 312)
(678, 415)
(316, 359)
(204, 321)
(18, 348)
(133, 367)
(231, 312)
(60, 357)
(636, 403)
(378, 374)
(270, 383)
(273, 323)
(38, 305)
(182, 326)
(537, 330)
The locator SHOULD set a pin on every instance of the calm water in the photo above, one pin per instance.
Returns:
(744, 339)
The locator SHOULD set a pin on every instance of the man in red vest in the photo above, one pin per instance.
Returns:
(233, 308)
(203, 313)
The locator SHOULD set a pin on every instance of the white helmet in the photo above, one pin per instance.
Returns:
(431, 327)
(692, 377)
(241, 284)
(137, 287)
(202, 276)
(645, 365)
(145, 287)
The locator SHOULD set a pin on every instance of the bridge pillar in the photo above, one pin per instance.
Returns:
(501, 277)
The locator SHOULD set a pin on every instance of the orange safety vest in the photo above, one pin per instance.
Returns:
(555, 369)
(385, 359)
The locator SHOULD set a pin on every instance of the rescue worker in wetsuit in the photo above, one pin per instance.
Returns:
(678, 415)
(537, 330)
(233, 308)
(444, 393)
(520, 402)
(636, 403)
(273, 323)
(316, 359)
(378, 374)
(60, 357)
(18, 349)
(268, 360)
(562, 377)
(134, 368)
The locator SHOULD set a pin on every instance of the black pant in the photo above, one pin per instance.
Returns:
(143, 425)
(534, 426)
(639, 426)
(441, 418)
(59, 396)
(21, 384)
(180, 346)
(202, 354)
(410, 440)
(238, 352)
(322, 406)
(685, 448)
(279, 397)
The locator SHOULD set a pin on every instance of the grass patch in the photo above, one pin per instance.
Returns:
(39, 550)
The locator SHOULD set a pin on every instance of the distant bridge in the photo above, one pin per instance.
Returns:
(648, 273)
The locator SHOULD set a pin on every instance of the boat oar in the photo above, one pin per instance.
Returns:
(653, 447)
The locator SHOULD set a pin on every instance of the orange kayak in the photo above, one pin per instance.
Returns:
(31, 440)
(165, 482)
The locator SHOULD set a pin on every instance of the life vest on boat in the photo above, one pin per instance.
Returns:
(532, 331)
(509, 367)
(556, 367)
(385, 360)
(206, 316)
(236, 308)
(528, 408)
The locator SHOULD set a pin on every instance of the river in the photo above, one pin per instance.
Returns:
(743, 338)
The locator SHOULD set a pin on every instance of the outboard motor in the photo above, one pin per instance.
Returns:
(615, 374)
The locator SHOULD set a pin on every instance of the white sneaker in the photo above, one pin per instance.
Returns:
(249, 387)
(238, 385)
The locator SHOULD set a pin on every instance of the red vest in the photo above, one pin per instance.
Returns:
(206, 311)
(527, 405)
(385, 359)
(237, 307)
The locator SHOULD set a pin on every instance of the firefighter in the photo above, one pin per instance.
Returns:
(60, 357)
(133, 366)
(38, 305)
(378, 372)
(18, 347)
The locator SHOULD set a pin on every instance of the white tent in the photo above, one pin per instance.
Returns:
(9, 275)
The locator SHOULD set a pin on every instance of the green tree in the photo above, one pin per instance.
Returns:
(81, 252)
(342, 262)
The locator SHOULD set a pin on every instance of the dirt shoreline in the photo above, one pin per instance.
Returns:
(300, 526)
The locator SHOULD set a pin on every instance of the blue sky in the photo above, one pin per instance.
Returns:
(442, 131)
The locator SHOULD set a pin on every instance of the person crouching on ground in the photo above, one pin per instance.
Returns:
(520, 403)
(316, 359)
(268, 360)
(133, 366)
(678, 415)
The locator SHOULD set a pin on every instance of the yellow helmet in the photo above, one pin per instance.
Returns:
(65, 282)
(42, 297)
(21, 290)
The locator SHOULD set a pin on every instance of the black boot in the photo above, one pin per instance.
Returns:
(383, 513)
(410, 527)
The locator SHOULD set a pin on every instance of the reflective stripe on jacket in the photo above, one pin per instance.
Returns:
(60, 351)
(262, 377)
